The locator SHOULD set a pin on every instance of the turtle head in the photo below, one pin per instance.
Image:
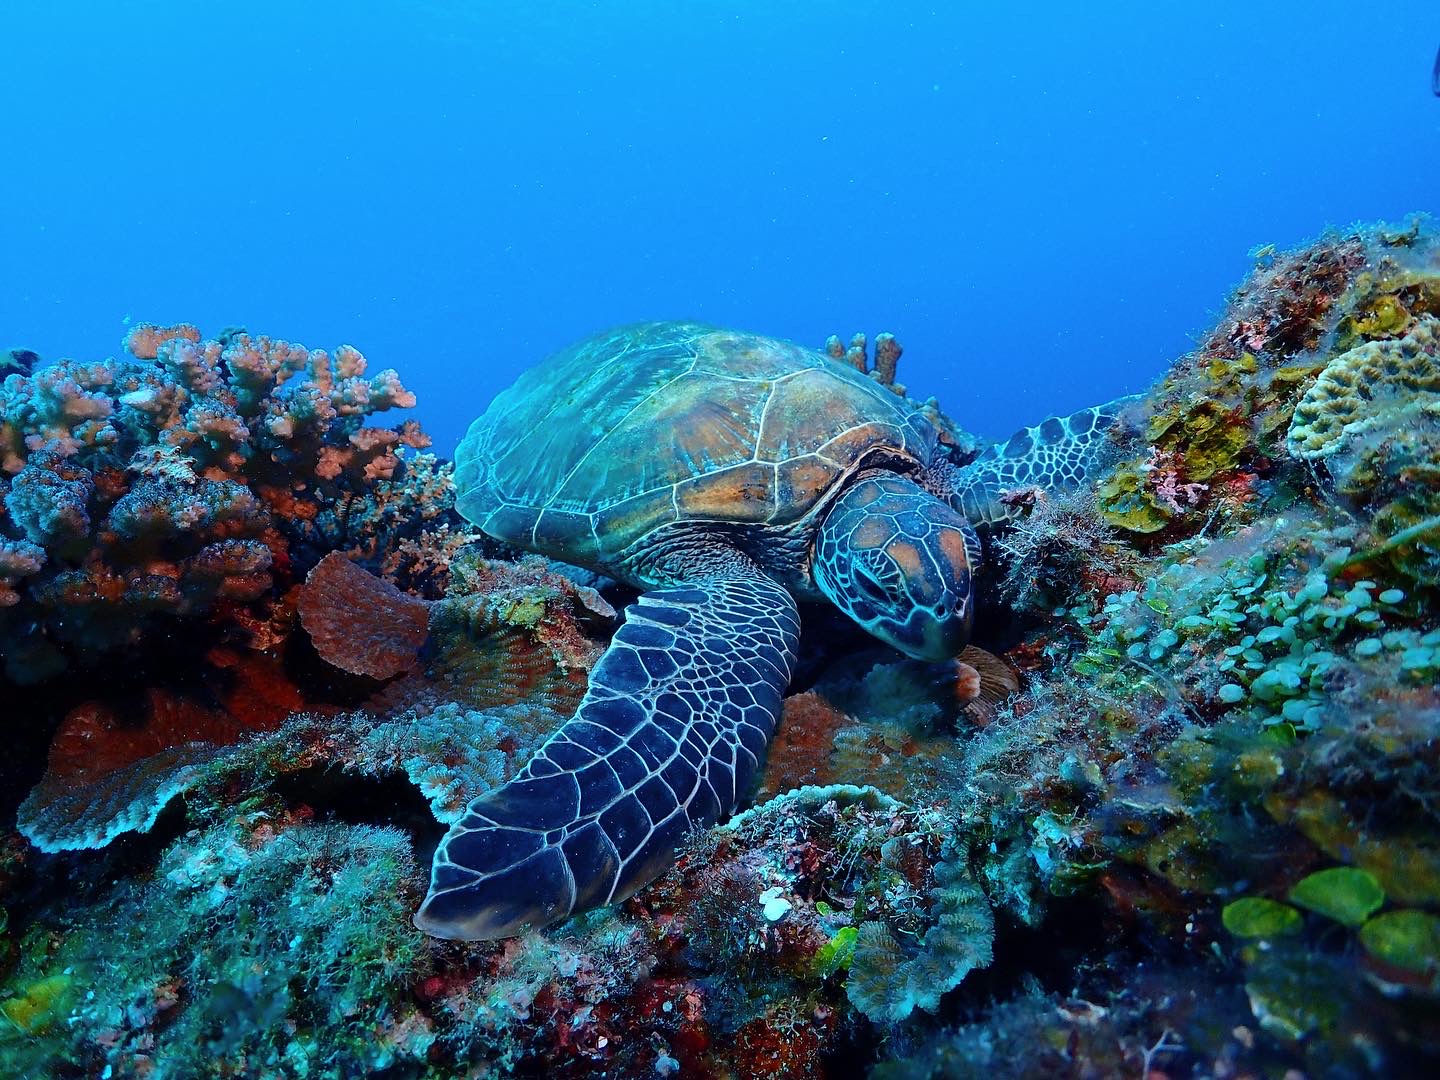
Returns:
(897, 560)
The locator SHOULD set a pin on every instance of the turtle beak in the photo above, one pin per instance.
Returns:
(941, 630)
(935, 570)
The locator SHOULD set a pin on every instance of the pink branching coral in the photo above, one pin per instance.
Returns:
(184, 479)
(1164, 472)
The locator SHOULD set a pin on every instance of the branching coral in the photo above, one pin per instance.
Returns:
(881, 363)
(174, 482)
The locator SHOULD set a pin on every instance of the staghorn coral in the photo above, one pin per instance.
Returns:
(404, 527)
(19, 559)
(886, 357)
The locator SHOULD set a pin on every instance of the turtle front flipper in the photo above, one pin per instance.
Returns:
(1058, 454)
(668, 738)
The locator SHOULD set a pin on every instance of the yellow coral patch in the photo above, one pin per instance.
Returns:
(38, 1006)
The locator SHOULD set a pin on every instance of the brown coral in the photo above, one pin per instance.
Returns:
(1282, 308)
(800, 751)
(359, 622)
(112, 770)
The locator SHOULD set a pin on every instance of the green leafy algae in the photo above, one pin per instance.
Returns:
(1407, 939)
(1342, 893)
(1257, 917)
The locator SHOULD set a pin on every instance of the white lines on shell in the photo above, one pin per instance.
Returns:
(613, 427)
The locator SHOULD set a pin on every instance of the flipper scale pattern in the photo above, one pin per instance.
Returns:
(669, 738)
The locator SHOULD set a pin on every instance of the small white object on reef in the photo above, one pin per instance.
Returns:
(776, 907)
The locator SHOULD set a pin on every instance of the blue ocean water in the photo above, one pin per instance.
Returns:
(1043, 201)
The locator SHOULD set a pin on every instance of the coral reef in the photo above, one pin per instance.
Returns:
(1178, 816)
(186, 484)
(499, 671)
(380, 639)
(1374, 384)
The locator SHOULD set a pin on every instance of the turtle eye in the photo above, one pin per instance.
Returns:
(869, 587)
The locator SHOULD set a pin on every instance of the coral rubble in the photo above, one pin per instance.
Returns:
(1181, 817)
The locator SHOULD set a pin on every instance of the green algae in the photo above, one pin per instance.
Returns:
(1296, 994)
(1258, 917)
(1342, 893)
(39, 1004)
(1406, 939)
(837, 953)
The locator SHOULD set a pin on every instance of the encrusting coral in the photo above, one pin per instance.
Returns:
(484, 678)
(1373, 384)
(1179, 819)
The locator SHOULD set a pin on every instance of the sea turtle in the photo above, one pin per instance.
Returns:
(725, 474)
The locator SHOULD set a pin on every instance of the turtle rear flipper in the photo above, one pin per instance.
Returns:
(1058, 454)
(669, 737)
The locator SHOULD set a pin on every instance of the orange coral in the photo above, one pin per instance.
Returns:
(479, 661)
(800, 752)
(782, 1044)
(359, 622)
(144, 339)
(112, 770)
